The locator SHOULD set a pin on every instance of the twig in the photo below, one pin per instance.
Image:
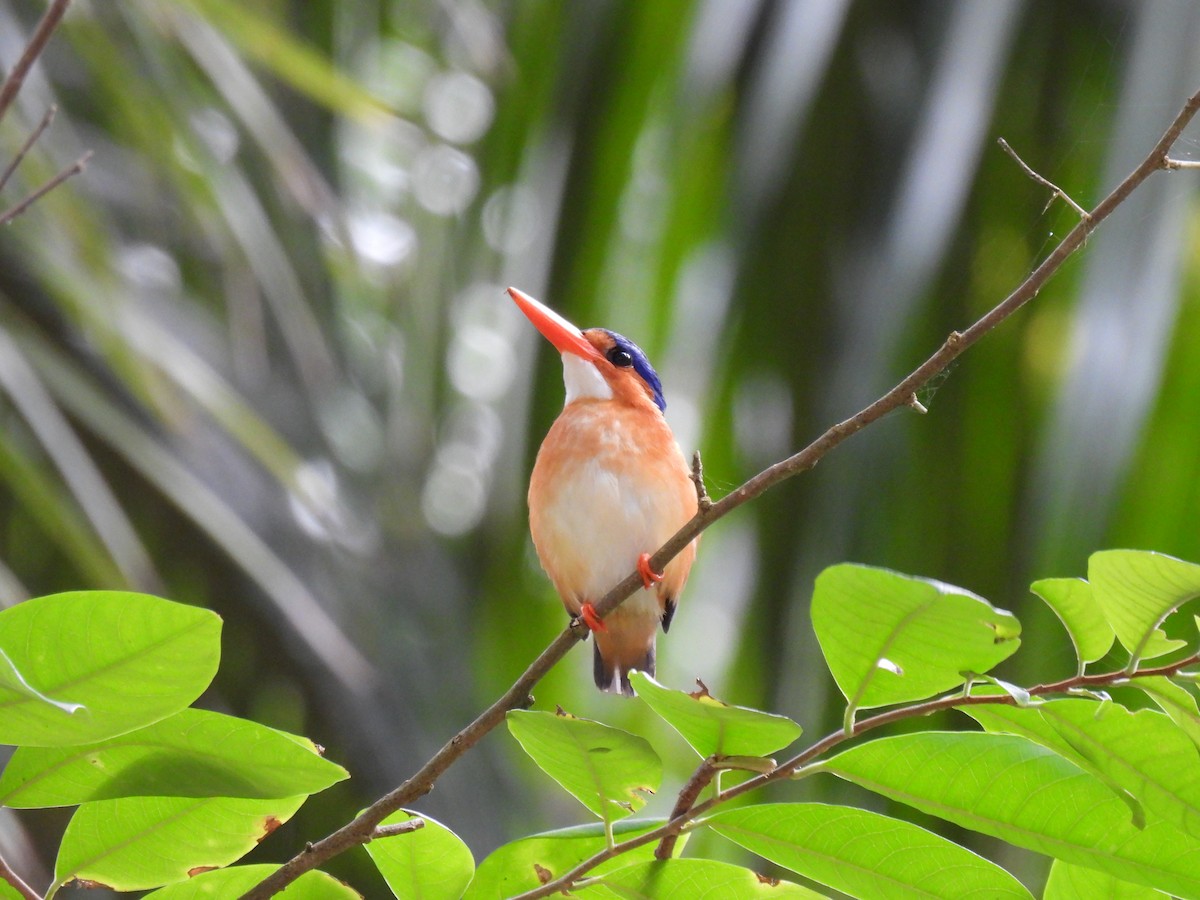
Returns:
(687, 798)
(385, 831)
(37, 43)
(703, 501)
(1172, 164)
(359, 830)
(7, 874)
(29, 142)
(1055, 190)
(74, 169)
(678, 823)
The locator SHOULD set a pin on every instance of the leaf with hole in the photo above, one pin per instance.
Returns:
(862, 853)
(81, 667)
(431, 863)
(194, 753)
(714, 728)
(893, 638)
(607, 770)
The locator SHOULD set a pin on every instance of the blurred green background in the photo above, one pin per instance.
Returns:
(258, 356)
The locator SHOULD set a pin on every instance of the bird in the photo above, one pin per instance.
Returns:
(609, 486)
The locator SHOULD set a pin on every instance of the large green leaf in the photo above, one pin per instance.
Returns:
(892, 638)
(431, 863)
(137, 843)
(1143, 752)
(714, 728)
(607, 770)
(863, 854)
(84, 666)
(222, 884)
(1074, 603)
(194, 753)
(1023, 793)
(1137, 589)
(1071, 882)
(514, 868)
(674, 878)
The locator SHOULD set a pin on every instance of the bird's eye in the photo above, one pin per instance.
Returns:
(620, 358)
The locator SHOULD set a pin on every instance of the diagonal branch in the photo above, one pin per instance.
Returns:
(16, 882)
(360, 829)
(37, 43)
(29, 142)
(74, 169)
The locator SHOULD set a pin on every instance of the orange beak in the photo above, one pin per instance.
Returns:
(565, 337)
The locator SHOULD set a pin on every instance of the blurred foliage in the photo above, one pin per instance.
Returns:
(258, 358)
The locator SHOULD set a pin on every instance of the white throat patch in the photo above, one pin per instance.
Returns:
(583, 379)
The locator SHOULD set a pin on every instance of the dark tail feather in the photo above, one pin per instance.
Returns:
(613, 675)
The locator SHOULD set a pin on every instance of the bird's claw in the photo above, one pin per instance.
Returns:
(649, 576)
(587, 613)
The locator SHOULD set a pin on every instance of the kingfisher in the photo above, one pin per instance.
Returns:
(609, 487)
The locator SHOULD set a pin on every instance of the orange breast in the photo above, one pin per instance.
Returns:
(609, 484)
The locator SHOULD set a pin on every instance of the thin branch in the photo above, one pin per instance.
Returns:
(7, 874)
(37, 43)
(700, 779)
(1172, 164)
(1054, 189)
(703, 501)
(74, 169)
(29, 142)
(360, 829)
(681, 822)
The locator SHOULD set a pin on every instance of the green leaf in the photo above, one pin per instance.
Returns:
(137, 843)
(431, 862)
(863, 854)
(714, 728)
(607, 770)
(1142, 752)
(81, 667)
(513, 868)
(1137, 589)
(1176, 701)
(672, 878)
(234, 881)
(892, 638)
(1070, 882)
(194, 753)
(1074, 603)
(1023, 793)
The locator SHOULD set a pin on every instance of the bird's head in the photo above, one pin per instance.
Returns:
(597, 363)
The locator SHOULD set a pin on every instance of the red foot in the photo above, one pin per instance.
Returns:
(649, 576)
(587, 612)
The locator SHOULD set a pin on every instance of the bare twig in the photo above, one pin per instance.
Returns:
(74, 169)
(1055, 190)
(687, 798)
(7, 874)
(703, 501)
(681, 822)
(360, 829)
(29, 142)
(37, 43)
(384, 831)
(1172, 164)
